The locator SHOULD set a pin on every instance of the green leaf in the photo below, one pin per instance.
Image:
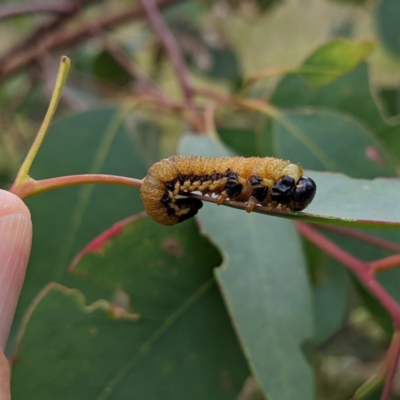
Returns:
(242, 141)
(106, 67)
(330, 291)
(346, 202)
(391, 100)
(333, 60)
(349, 93)
(388, 25)
(326, 140)
(265, 5)
(65, 220)
(265, 286)
(175, 340)
(376, 309)
(212, 58)
(391, 140)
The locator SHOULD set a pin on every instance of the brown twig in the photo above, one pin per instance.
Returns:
(144, 81)
(51, 37)
(170, 45)
(16, 10)
(43, 31)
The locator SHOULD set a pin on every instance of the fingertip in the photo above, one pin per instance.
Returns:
(15, 245)
(12, 204)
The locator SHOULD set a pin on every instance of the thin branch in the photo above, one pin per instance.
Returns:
(384, 244)
(211, 94)
(121, 58)
(393, 364)
(171, 47)
(33, 188)
(358, 267)
(47, 39)
(385, 263)
(16, 10)
(44, 31)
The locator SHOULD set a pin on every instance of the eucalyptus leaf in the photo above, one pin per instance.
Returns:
(265, 286)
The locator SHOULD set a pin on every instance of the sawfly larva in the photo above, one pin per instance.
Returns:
(267, 181)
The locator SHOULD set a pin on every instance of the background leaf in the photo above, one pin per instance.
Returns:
(326, 140)
(106, 67)
(334, 59)
(347, 202)
(330, 291)
(349, 93)
(388, 25)
(265, 287)
(175, 338)
(65, 220)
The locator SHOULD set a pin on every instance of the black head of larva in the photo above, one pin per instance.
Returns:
(282, 191)
(303, 194)
(294, 196)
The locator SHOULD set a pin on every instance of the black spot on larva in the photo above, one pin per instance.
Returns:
(216, 176)
(260, 193)
(181, 178)
(189, 207)
(170, 185)
(254, 180)
(233, 188)
(204, 178)
(282, 190)
(230, 175)
(165, 199)
(170, 210)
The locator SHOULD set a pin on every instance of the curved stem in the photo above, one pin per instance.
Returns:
(32, 187)
(22, 176)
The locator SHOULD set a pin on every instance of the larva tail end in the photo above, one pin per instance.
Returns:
(188, 207)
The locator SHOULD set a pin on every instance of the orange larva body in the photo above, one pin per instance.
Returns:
(267, 181)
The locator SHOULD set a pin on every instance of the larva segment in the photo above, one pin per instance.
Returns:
(268, 181)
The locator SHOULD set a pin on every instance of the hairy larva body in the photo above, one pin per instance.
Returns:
(267, 181)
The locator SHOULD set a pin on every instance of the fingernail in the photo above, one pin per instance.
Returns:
(15, 245)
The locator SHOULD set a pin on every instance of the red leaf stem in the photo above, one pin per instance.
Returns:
(364, 237)
(359, 268)
(33, 187)
(385, 263)
(392, 366)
